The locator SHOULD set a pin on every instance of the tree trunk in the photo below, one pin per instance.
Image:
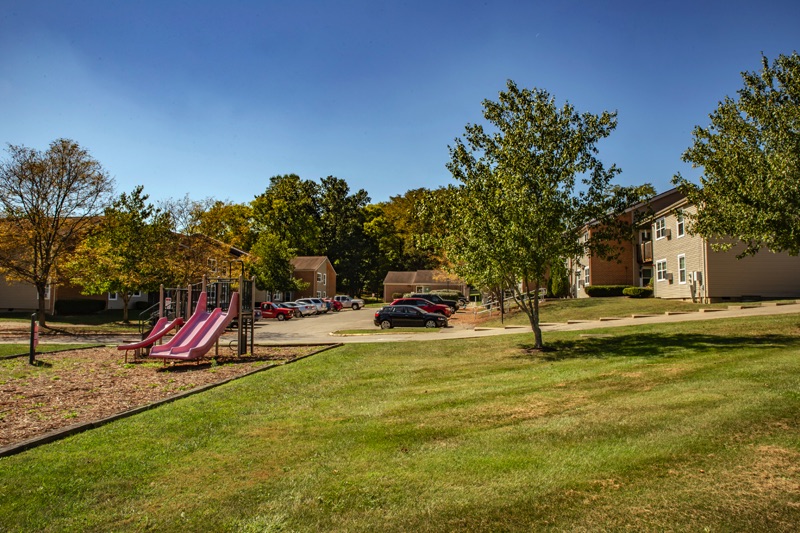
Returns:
(126, 298)
(41, 312)
(537, 331)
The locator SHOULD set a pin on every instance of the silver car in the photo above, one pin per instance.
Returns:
(319, 305)
(306, 307)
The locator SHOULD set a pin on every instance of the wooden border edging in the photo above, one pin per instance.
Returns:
(59, 434)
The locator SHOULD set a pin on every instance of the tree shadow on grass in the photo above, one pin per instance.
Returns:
(652, 345)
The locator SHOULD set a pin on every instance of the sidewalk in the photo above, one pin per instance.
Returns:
(320, 336)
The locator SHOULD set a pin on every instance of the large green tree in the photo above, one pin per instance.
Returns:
(288, 209)
(342, 217)
(130, 251)
(750, 156)
(47, 201)
(270, 261)
(529, 182)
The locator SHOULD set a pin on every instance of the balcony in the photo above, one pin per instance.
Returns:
(646, 252)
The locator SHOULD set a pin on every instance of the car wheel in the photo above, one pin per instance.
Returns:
(355, 307)
(385, 324)
(298, 314)
(281, 318)
(430, 323)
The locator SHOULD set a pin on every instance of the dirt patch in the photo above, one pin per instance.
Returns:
(76, 386)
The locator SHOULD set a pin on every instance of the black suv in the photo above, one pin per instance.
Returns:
(435, 298)
(407, 316)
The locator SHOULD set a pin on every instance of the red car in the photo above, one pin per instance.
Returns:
(423, 304)
(270, 310)
(335, 305)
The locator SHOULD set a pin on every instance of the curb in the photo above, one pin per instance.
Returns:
(62, 433)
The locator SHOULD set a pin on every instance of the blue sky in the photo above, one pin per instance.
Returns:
(211, 99)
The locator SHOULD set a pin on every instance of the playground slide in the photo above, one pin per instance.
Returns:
(162, 327)
(199, 333)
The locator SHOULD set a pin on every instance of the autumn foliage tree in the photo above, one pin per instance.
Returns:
(47, 201)
(750, 156)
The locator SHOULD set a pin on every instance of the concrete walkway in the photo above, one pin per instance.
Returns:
(317, 330)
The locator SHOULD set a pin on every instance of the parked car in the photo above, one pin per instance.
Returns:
(305, 307)
(294, 308)
(435, 298)
(393, 316)
(334, 305)
(316, 302)
(353, 303)
(271, 310)
(424, 304)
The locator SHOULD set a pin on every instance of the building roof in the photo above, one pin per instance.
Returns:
(309, 262)
(420, 277)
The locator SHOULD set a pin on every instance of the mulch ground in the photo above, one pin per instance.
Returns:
(77, 386)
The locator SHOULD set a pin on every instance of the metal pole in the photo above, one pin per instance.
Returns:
(34, 340)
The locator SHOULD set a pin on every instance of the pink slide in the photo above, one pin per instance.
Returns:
(162, 327)
(199, 334)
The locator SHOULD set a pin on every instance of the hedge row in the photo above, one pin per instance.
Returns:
(638, 292)
(599, 291)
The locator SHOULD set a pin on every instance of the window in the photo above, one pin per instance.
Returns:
(136, 294)
(681, 268)
(325, 279)
(585, 236)
(578, 275)
(586, 276)
(112, 295)
(319, 277)
(212, 265)
(681, 229)
(661, 270)
(661, 228)
(319, 294)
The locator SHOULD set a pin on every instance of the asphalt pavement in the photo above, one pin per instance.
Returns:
(319, 329)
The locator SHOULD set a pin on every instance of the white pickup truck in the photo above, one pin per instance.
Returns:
(354, 303)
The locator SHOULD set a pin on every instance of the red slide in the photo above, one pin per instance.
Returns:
(199, 334)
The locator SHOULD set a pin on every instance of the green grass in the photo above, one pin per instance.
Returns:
(690, 426)
(595, 308)
(104, 322)
(17, 349)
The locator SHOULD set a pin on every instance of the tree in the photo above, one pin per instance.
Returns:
(750, 155)
(129, 252)
(527, 187)
(47, 201)
(288, 209)
(271, 264)
(342, 217)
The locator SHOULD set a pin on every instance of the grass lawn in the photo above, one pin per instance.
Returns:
(692, 426)
(104, 322)
(7, 350)
(596, 308)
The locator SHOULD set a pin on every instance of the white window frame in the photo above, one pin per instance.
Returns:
(660, 228)
(319, 277)
(682, 271)
(325, 279)
(112, 296)
(586, 276)
(137, 294)
(661, 273)
(319, 294)
(47, 292)
(680, 227)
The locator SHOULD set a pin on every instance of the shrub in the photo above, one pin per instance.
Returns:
(79, 307)
(396, 295)
(448, 294)
(638, 292)
(605, 290)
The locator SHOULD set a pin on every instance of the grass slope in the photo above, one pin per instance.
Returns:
(687, 426)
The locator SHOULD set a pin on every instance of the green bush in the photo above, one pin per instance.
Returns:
(448, 294)
(79, 307)
(396, 295)
(638, 292)
(599, 291)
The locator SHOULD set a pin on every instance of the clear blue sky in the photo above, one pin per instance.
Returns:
(214, 98)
